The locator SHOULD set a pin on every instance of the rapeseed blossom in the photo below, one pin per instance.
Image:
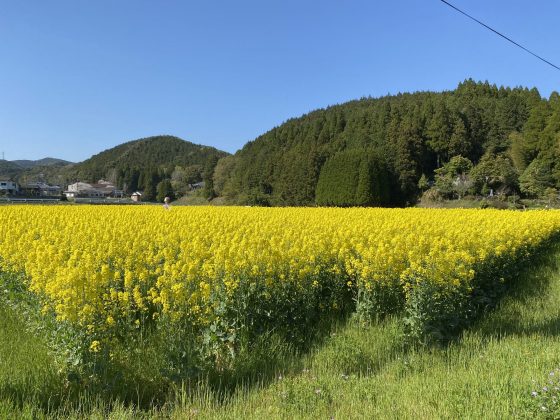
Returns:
(101, 267)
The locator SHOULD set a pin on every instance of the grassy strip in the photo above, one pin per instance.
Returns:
(29, 378)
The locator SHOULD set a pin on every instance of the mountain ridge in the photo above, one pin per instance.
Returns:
(48, 161)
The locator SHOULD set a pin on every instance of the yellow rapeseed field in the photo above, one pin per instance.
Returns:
(101, 267)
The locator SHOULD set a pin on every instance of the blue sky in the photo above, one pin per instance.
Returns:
(78, 76)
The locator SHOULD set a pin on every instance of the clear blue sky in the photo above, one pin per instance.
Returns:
(78, 76)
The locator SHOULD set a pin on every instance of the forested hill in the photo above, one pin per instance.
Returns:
(9, 169)
(143, 163)
(385, 151)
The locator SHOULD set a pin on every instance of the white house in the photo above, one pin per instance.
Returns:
(103, 189)
(8, 187)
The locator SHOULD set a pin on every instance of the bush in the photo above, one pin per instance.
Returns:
(432, 195)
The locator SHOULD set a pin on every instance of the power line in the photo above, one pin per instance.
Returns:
(502, 35)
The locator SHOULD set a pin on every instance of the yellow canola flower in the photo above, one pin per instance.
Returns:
(95, 346)
(95, 265)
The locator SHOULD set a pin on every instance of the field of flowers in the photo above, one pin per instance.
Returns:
(218, 278)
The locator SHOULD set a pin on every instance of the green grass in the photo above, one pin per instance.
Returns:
(192, 198)
(358, 371)
(29, 378)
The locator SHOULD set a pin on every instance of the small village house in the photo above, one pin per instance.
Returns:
(101, 190)
(136, 196)
(8, 187)
(41, 189)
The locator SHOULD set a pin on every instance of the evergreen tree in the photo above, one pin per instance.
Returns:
(208, 176)
(409, 153)
(338, 180)
(439, 132)
(150, 183)
(519, 151)
(164, 189)
(365, 194)
(423, 183)
(459, 143)
(532, 130)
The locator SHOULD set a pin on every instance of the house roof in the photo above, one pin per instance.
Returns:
(80, 184)
(40, 185)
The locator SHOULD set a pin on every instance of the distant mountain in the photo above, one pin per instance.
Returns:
(17, 168)
(9, 169)
(26, 164)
